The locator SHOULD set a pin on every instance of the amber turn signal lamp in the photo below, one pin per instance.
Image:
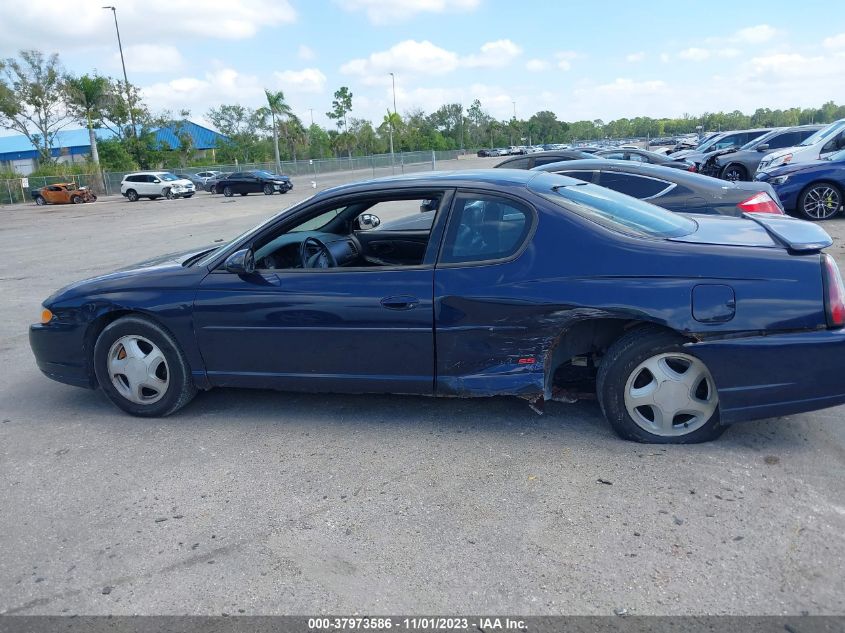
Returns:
(46, 316)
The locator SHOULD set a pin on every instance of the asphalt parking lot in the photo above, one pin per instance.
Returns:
(260, 502)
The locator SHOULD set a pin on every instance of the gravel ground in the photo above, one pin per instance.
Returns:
(264, 503)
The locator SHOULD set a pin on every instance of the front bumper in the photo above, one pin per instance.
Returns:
(776, 375)
(60, 354)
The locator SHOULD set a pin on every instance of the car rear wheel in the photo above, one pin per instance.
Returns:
(820, 201)
(213, 189)
(268, 190)
(141, 369)
(735, 173)
(227, 191)
(651, 390)
(132, 195)
(40, 201)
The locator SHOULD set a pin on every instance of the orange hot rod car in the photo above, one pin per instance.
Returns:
(62, 193)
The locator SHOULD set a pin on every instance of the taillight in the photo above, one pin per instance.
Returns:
(692, 168)
(760, 203)
(834, 292)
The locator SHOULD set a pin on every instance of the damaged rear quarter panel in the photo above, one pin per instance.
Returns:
(489, 316)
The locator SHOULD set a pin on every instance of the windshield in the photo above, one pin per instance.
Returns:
(822, 134)
(613, 210)
(255, 229)
(167, 177)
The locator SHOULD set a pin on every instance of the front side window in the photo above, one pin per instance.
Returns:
(485, 228)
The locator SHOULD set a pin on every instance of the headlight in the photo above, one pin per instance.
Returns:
(779, 180)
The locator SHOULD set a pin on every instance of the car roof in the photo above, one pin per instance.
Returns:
(644, 169)
(434, 179)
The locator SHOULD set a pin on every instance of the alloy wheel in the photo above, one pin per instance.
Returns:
(138, 369)
(822, 202)
(670, 394)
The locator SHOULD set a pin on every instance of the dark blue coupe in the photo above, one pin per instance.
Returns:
(814, 189)
(495, 282)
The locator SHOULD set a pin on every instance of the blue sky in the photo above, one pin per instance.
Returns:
(582, 60)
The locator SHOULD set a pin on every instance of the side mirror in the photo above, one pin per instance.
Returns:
(763, 148)
(241, 262)
(367, 221)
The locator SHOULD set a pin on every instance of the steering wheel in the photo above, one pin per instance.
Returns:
(321, 257)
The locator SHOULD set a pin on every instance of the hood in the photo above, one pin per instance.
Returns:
(758, 229)
(172, 261)
(791, 168)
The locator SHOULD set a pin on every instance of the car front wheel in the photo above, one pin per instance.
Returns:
(141, 369)
(269, 190)
(735, 173)
(227, 191)
(820, 201)
(132, 195)
(651, 390)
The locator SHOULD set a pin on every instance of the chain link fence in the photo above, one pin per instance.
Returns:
(14, 191)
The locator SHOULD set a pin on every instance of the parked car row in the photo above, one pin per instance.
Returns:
(164, 184)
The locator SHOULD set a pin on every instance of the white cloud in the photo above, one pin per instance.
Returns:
(564, 59)
(635, 57)
(537, 65)
(755, 34)
(224, 85)
(834, 42)
(389, 11)
(493, 55)
(305, 52)
(82, 24)
(409, 56)
(664, 57)
(695, 54)
(150, 58)
(424, 58)
(305, 80)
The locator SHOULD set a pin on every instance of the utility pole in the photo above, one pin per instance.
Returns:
(125, 82)
(393, 81)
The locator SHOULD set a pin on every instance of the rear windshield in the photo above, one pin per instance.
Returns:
(613, 210)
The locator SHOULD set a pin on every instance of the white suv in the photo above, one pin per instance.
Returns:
(155, 184)
(823, 143)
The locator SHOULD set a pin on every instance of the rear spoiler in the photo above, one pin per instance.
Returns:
(797, 235)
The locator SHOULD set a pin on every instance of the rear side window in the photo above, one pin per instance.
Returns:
(586, 176)
(548, 160)
(632, 185)
(519, 163)
(485, 228)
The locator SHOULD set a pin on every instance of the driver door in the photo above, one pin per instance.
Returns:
(363, 328)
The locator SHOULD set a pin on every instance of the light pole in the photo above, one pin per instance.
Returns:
(392, 156)
(125, 78)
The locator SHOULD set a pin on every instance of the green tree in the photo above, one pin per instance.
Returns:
(32, 99)
(86, 97)
(277, 107)
(341, 107)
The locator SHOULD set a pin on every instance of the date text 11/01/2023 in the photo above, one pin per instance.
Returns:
(387, 623)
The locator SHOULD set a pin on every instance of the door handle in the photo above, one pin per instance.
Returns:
(400, 303)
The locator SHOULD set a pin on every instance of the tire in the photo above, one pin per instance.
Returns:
(40, 201)
(75, 199)
(167, 192)
(132, 195)
(93, 198)
(171, 386)
(269, 190)
(820, 201)
(244, 193)
(623, 367)
(212, 189)
(190, 195)
(735, 173)
(227, 191)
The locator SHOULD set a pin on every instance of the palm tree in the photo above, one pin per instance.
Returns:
(86, 97)
(277, 107)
